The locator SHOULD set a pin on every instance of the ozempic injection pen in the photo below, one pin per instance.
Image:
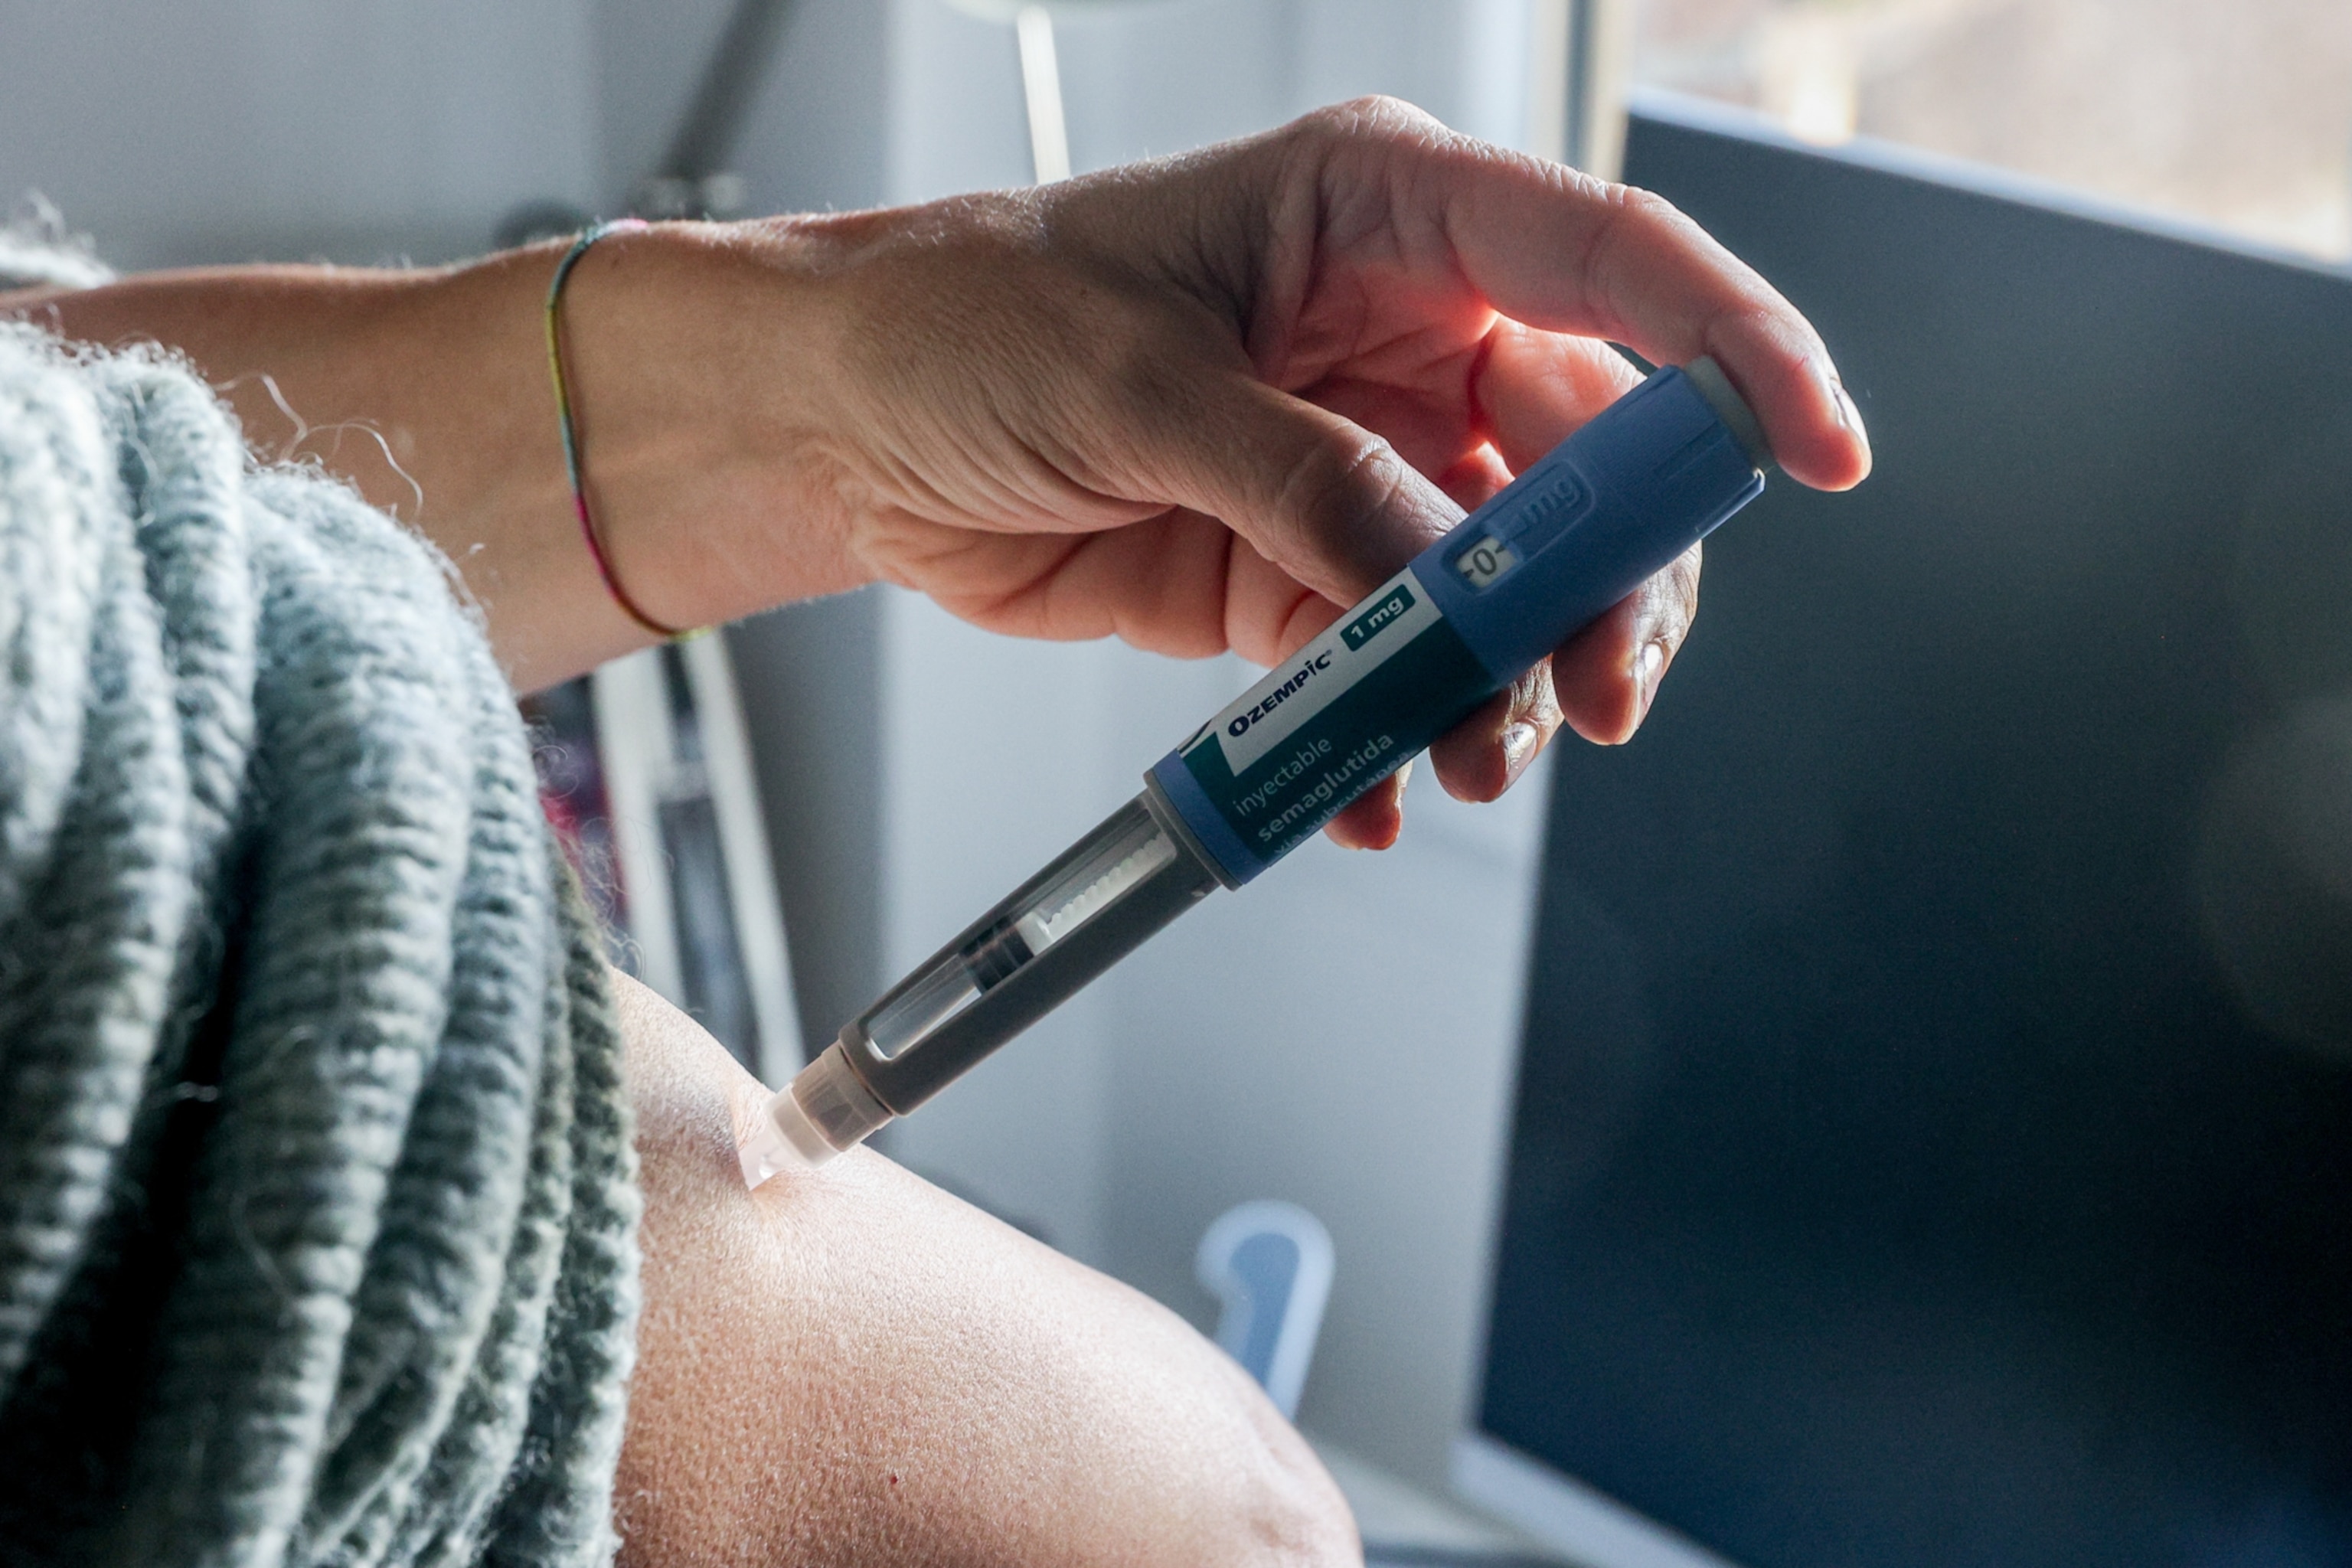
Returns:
(1632, 489)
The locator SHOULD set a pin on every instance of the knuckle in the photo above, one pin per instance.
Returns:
(1334, 483)
(1372, 117)
(1682, 593)
(1646, 205)
(1644, 210)
(1641, 218)
(1535, 699)
(1685, 572)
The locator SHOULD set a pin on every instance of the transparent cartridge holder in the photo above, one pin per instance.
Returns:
(1094, 904)
(1107, 865)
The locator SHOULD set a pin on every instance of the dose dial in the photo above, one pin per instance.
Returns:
(1485, 562)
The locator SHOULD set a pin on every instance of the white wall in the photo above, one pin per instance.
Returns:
(227, 130)
(1164, 76)
(191, 131)
(816, 136)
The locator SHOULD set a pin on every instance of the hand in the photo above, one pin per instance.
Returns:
(1207, 403)
(1200, 403)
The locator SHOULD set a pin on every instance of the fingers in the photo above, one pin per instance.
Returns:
(1606, 676)
(1374, 819)
(1601, 683)
(1565, 252)
(1535, 389)
(1269, 615)
(1558, 250)
(1484, 754)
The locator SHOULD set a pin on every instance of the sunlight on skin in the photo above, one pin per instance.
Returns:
(849, 1366)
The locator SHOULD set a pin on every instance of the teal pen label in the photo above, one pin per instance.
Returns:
(1337, 717)
(1394, 606)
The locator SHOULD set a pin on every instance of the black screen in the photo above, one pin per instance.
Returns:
(1934, 1139)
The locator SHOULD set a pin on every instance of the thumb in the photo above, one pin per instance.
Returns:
(1317, 495)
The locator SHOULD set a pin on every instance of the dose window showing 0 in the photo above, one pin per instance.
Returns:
(1485, 562)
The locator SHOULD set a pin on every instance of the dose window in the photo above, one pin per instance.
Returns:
(1485, 562)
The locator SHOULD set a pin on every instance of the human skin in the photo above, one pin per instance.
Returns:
(849, 1366)
(1202, 405)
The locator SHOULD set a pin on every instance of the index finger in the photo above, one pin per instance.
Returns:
(1561, 250)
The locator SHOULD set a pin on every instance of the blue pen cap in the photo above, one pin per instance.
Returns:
(1653, 475)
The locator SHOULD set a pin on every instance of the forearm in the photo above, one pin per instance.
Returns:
(429, 389)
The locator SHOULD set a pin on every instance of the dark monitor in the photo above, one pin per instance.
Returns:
(1933, 1144)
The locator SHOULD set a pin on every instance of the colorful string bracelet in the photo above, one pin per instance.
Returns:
(571, 432)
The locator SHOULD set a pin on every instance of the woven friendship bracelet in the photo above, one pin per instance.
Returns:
(572, 432)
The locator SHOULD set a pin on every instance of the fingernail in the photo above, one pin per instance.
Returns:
(1850, 416)
(1519, 750)
(1842, 402)
(1403, 775)
(1649, 670)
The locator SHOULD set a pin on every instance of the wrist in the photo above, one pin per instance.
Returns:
(699, 356)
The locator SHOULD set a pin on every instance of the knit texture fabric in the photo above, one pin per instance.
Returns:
(37, 251)
(317, 1196)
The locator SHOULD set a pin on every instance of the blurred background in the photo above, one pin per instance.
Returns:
(911, 770)
(241, 128)
(2238, 116)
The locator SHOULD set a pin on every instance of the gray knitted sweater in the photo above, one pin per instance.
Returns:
(317, 1202)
